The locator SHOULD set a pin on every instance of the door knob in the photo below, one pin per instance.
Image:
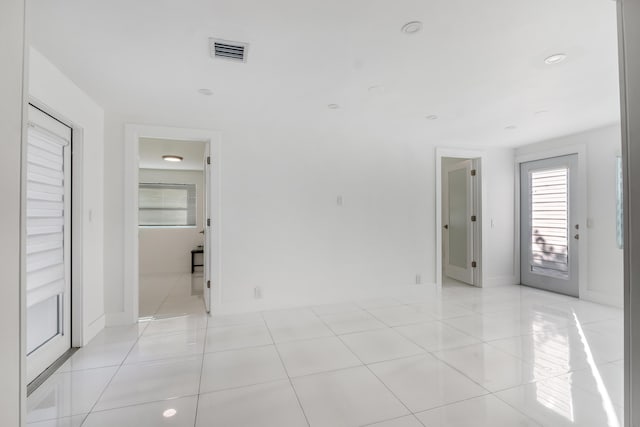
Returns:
(446, 226)
(577, 237)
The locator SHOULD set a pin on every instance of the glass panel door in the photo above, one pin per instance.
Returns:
(48, 234)
(458, 230)
(549, 228)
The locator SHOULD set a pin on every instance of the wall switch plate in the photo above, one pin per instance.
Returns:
(339, 201)
(257, 292)
(418, 279)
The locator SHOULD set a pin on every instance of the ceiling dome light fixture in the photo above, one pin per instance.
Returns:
(205, 92)
(511, 127)
(172, 158)
(412, 27)
(169, 413)
(333, 106)
(432, 117)
(555, 59)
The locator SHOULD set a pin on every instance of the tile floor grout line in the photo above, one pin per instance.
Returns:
(393, 419)
(111, 380)
(521, 333)
(295, 392)
(204, 346)
(373, 373)
(116, 372)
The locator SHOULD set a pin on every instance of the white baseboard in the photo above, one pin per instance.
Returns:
(284, 302)
(603, 298)
(93, 329)
(118, 319)
(501, 281)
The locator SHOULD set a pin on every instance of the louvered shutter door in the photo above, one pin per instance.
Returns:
(45, 240)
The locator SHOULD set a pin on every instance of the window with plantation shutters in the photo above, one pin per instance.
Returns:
(549, 221)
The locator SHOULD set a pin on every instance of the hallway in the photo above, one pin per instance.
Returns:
(464, 356)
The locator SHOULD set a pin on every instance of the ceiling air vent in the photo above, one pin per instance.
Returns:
(225, 49)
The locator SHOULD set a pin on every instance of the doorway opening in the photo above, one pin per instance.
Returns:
(208, 275)
(459, 213)
(172, 219)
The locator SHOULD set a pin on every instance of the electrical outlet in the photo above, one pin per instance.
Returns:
(339, 201)
(257, 292)
(418, 279)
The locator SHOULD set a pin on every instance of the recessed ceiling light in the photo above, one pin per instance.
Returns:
(169, 413)
(412, 27)
(541, 112)
(205, 91)
(333, 106)
(555, 59)
(432, 117)
(511, 127)
(172, 158)
(376, 89)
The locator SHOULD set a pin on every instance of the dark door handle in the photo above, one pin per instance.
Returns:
(446, 226)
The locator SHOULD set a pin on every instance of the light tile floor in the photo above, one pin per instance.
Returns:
(463, 356)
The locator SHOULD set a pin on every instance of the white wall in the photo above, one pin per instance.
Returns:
(168, 250)
(283, 231)
(12, 390)
(605, 260)
(499, 226)
(50, 87)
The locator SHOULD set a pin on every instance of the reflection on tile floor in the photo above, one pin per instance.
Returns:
(462, 356)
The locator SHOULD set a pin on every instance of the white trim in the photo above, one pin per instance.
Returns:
(95, 327)
(480, 156)
(77, 189)
(501, 281)
(581, 151)
(133, 133)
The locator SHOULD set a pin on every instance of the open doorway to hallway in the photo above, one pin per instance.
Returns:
(172, 226)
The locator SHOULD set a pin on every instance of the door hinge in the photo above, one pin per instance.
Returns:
(208, 284)
(208, 160)
(208, 222)
(474, 264)
(473, 172)
(473, 218)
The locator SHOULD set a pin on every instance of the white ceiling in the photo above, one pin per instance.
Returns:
(151, 151)
(477, 65)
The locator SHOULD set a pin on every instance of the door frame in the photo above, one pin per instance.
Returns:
(448, 269)
(479, 157)
(133, 133)
(76, 212)
(581, 151)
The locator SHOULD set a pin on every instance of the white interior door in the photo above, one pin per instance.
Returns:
(458, 230)
(549, 224)
(206, 256)
(48, 241)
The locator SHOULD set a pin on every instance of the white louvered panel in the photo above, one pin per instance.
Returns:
(45, 262)
(549, 222)
(46, 242)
